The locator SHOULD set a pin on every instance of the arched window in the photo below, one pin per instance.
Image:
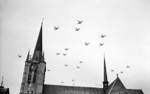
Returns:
(32, 73)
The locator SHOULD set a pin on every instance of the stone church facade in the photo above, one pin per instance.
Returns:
(34, 77)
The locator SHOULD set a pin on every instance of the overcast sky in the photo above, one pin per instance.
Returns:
(126, 24)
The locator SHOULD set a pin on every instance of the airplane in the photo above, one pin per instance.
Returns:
(56, 28)
(128, 67)
(72, 80)
(58, 53)
(62, 82)
(77, 29)
(78, 67)
(102, 36)
(48, 69)
(66, 49)
(101, 44)
(112, 70)
(19, 56)
(79, 22)
(81, 61)
(64, 54)
(87, 43)
(121, 72)
(66, 65)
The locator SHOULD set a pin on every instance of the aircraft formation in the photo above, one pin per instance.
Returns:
(85, 44)
(121, 72)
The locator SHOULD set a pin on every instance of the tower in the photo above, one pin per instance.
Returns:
(105, 82)
(34, 70)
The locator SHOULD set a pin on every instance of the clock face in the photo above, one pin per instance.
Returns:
(33, 67)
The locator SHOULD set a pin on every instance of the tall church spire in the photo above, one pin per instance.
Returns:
(105, 82)
(37, 55)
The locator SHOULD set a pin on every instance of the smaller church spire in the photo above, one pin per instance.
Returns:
(28, 56)
(105, 82)
(105, 71)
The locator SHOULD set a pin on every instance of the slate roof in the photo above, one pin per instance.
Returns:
(135, 91)
(60, 89)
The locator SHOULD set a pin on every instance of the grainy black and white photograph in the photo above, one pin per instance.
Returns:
(75, 47)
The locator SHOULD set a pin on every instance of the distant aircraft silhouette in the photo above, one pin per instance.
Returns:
(58, 53)
(78, 67)
(77, 29)
(121, 72)
(112, 70)
(72, 80)
(66, 65)
(102, 36)
(79, 22)
(73, 84)
(62, 82)
(128, 67)
(19, 56)
(95, 84)
(87, 43)
(56, 28)
(64, 54)
(66, 49)
(101, 44)
(48, 69)
(81, 61)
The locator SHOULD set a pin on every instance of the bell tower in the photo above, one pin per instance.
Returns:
(34, 70)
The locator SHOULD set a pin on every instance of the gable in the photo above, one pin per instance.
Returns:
(58, 89)
(116, 87)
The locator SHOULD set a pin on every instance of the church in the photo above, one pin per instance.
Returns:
(34, 77)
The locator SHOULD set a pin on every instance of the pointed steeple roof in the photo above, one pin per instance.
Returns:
(28, 56)
(37, 55)
(105, 71)
(117, 87)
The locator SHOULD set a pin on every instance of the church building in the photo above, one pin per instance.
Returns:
(34, 77)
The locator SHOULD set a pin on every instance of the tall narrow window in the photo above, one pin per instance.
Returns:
(32, 73)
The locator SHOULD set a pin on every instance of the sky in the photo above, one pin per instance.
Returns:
(126, 24)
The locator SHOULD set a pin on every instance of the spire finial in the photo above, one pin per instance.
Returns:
(117, 74)
(42, 21)
(2, 82)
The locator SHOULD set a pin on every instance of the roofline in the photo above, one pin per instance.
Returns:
(73, 86)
